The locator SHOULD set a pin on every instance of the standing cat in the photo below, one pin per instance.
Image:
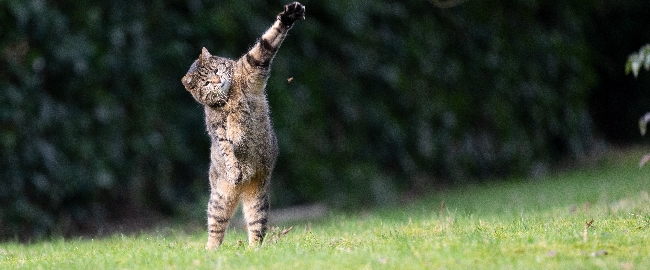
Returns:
(244, 147)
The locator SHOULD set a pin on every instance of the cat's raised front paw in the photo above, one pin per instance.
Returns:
(292, 12)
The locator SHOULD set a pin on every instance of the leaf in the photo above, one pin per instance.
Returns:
(635, 68)
(285, 231)
(644, 160)
(551, 253)
(643, 123)
(585, 236)
(637, 60)
(644, 54)
(601, 252)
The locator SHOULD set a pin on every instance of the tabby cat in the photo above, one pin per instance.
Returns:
(244, 147)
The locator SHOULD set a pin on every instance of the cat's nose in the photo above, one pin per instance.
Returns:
(186, 81)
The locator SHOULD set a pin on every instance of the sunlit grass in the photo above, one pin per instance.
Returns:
(514, 224)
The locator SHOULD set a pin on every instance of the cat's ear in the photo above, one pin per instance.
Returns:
(205, 55)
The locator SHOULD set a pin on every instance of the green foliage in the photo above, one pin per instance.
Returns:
(94, 123)
(637, 60)
(634, 63)
(386, 97)
(616, 30)
(518, 225)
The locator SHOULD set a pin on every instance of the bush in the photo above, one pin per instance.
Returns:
(94, 124)
(406, 95)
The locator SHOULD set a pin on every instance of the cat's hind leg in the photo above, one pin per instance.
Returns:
(255, 201)
(222, 204)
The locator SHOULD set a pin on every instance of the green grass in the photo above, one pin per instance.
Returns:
(515, 224)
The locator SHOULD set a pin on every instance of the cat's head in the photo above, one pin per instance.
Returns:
(209, 79)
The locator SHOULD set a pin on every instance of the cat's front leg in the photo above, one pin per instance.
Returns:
(223, 154)
(233, 173)
(259, 58)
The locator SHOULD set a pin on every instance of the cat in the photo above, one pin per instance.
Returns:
(243, 148)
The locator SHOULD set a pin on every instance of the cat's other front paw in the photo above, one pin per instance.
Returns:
(234, 176)
(292, 12)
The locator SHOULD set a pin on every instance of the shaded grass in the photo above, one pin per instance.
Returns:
(514, 224)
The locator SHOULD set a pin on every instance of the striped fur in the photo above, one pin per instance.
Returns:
(244, 147)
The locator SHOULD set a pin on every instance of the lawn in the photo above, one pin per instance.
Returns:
(596, 216)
